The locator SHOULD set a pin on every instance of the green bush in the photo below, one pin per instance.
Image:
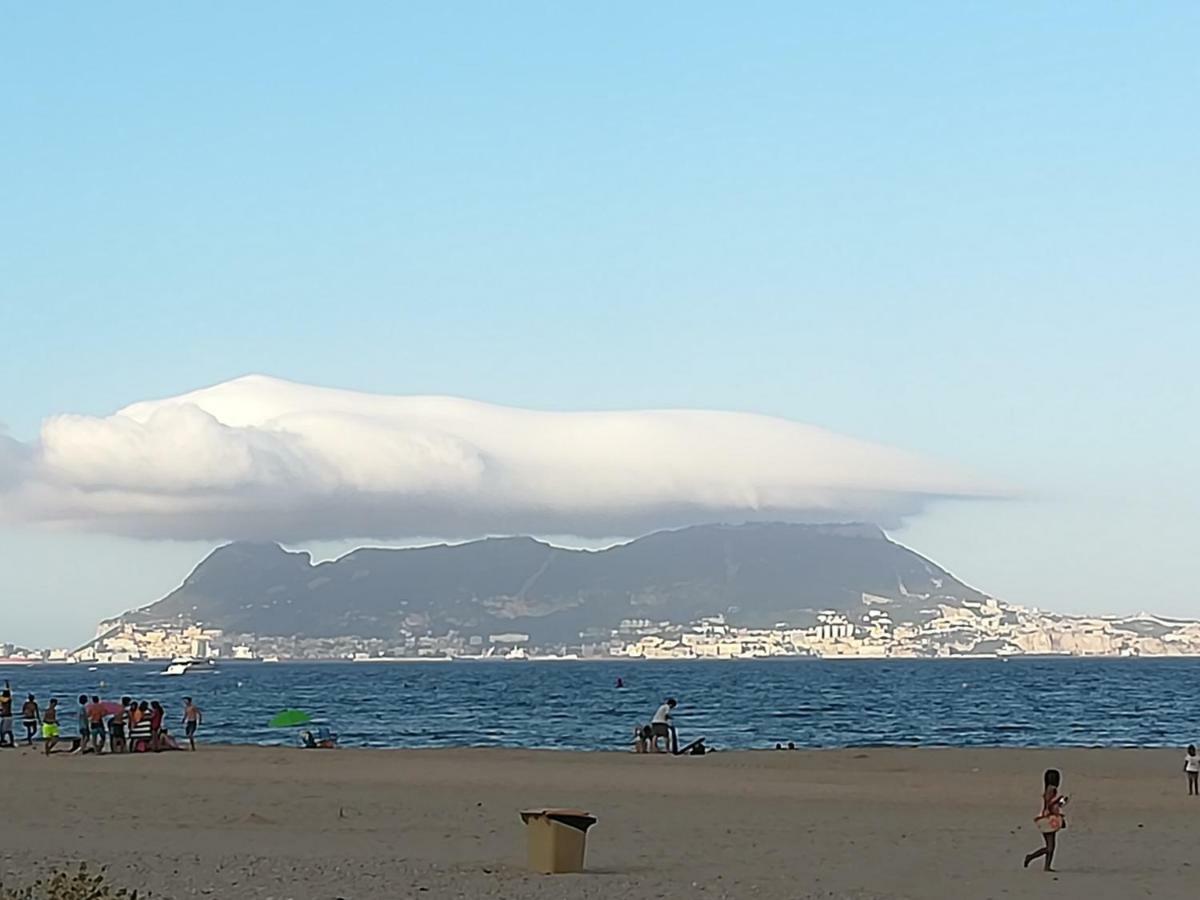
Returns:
(63, 885)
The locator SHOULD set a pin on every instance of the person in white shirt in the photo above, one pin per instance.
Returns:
(1191, 765)
(663, 728)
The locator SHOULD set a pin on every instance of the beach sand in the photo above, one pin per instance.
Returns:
(272, 823)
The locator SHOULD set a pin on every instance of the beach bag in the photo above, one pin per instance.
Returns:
(1050, 824)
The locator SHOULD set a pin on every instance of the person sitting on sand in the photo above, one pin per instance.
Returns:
(50, 730)
(1051, 820)
(663, 728)
(323, 739)
(1191, 765)
(31, 718)
(642, 735)
(167, 742)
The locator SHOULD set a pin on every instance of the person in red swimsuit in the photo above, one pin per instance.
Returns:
(156, 720)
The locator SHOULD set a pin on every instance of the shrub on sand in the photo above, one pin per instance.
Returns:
(63, 885)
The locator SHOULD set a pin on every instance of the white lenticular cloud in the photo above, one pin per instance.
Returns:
(262, 458)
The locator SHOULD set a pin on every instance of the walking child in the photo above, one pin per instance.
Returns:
(1051, 819)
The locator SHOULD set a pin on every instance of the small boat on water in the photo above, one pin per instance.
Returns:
(182, 666)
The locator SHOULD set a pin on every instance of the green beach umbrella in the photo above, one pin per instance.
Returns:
(290, 718)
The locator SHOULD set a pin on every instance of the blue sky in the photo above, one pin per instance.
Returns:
(961, 230)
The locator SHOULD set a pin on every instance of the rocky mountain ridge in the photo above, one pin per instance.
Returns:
(755, 574)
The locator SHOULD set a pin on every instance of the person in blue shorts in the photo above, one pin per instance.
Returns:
(31, 718)
(96, 724)
(192, 717)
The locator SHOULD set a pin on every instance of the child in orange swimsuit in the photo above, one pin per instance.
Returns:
(1051, 820)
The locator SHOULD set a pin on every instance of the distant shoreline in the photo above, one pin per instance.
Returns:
(1166, 751)
(622, 660)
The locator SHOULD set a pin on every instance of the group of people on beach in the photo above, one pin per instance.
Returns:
(660, 736)
(646, 738)
(127, 726)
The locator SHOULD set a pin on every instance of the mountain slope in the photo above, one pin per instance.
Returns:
(756, 574)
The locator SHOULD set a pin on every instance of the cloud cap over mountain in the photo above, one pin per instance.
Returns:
(263, 458)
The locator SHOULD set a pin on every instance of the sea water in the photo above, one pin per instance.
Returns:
(734, 704)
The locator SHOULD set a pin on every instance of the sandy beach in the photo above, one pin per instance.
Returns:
(270, 823)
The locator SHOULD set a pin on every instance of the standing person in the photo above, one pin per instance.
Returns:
(116, 728)
(141, 734)
(134, 718)
(1051, 820)
(96, 724)
(85, 726)
(1191, 765)
(156, 720)
(663, 727)
(31, 718)
(130, 706)
(50, 725)
(192, 717)
(6, 731)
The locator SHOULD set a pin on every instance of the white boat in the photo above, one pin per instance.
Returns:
(189, 667)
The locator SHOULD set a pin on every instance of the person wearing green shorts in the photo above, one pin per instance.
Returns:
(50, 725)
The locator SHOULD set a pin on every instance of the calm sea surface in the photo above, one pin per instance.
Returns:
(742, 704)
